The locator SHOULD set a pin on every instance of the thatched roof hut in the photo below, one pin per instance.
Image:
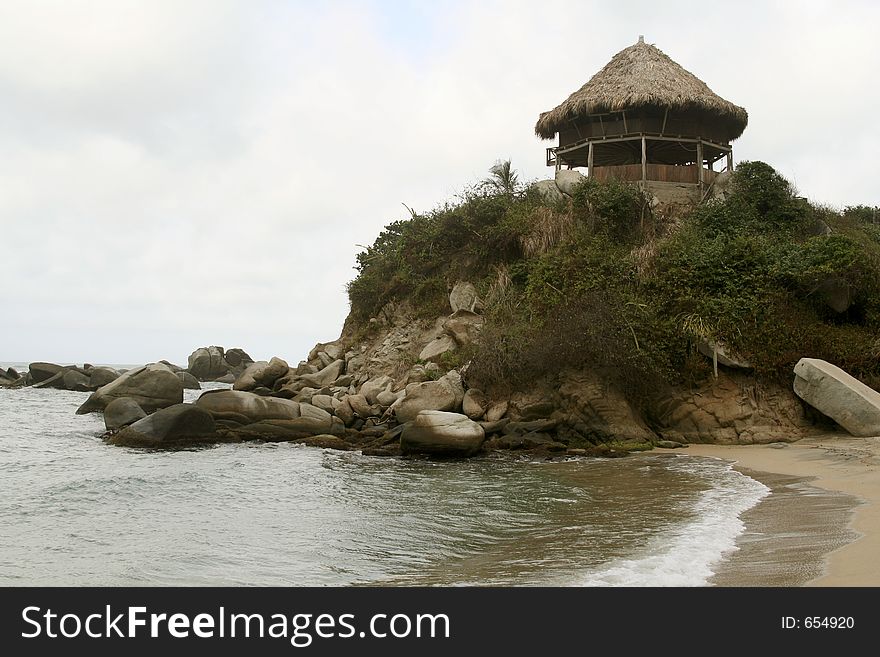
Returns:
(644, 118)
(643, 76)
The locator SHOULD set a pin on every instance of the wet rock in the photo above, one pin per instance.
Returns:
(121, 412)
(442, 433)
(151, 386)
(172, 426)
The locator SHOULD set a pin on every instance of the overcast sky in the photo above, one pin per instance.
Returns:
(183, 173)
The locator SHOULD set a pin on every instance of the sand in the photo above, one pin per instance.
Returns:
(836, 463)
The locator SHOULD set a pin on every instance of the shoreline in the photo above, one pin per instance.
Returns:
(840, 464)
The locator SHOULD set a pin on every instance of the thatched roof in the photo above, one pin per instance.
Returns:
(638, 76)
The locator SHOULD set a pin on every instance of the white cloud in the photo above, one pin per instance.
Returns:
(185, 173)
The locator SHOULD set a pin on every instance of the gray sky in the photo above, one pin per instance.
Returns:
(183, 173)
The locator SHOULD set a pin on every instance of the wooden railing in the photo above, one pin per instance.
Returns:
(672, 173)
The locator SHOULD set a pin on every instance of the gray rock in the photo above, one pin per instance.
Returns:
(549, 191)
(670, 444)
(326, 376)
(345, 412)
(474, 404)
(836, 293)
(75, 380)
(229, 377)
(371, 389)
(464, 297)
(188, 380)
(256, 408)
(442, 433)
(293, 429)
(386, 398)
(237, 358)
(453, 379)
(308, 410)
(568, 179)
(436, 348)
(428, 396)
(172, 426)
(55, 381)
(101, 376)
(121, 412)
(361, 406)
(843, 398)
(463, 326)
(151, 386)
(247, 379)
(40, 372)
(324, 402)
(207, 363)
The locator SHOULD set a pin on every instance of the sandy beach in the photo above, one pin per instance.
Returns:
(839, 464)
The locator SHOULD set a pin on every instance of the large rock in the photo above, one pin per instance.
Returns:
(843, 398)
(207, 363)
(121, 412)
(76, 380)
(436, 348)
(237, 358)
(326, 376)
(236, 404)
(151, 386)
(372, 388)
(428, 396)
(40, 372)
(441, 433)
(464, 297)
(101, 376)
(474, 404)
(549, 191)
(463, 326)
(567, 180)
(261, 373)
(292, 429)
(172, 426)
(188, 380)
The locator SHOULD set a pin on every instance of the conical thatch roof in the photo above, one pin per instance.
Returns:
(638, 76)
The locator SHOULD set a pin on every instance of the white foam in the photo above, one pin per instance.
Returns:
(686, 555)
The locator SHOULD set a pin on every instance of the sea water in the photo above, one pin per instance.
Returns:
(77, 511)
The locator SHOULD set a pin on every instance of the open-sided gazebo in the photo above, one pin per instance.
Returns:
(644, 118)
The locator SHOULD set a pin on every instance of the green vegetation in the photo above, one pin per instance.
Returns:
(600, 281)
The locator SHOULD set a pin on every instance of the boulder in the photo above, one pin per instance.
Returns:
(324, 402)
(386, 398)
(442, 433)
(39, 372)
(188, 380)
(371, 389)
(101, 376)
(345, 412)
(463, 326)
(464, 297)
(843, 398)
(237, 358)
(361, 406)
(121, 412)
(229, 377)
(151, 386)
(436, 348)
(549, 191)
(567, 180)
(76, 380)
(172, 426)
(326, 376)
(55, 381)
(324, 441)
(292, 429)
(207, 363)
(247, 379)
(836, 293)
(256, 408)
(171, 366)
(474, 404)
(428, 396)
(308, 410)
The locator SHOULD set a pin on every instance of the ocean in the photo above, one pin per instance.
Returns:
(77, 511)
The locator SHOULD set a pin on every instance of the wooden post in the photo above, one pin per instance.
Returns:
(700, 162)
(590, 161)
(730, 160)
(644, 160)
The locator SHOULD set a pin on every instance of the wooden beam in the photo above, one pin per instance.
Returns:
(730, 160)
(590, 161)
(665, 114)
(644, 160)
(625, 129)
(700, 163)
